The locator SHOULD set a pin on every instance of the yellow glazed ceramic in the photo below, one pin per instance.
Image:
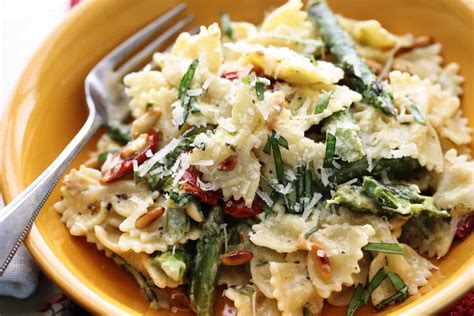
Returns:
(47, 108)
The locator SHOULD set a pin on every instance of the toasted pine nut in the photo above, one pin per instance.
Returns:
(193, 212)
(149, 217)
(321, 260)
(236, 257)
(228, 164)
(134, 146)
(373, 65)
(144, 123)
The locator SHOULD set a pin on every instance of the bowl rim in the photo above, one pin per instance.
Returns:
(459, 282)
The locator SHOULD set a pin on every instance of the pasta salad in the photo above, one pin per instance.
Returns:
(310, 160)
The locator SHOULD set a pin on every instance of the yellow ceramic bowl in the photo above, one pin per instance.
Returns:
(47, 108)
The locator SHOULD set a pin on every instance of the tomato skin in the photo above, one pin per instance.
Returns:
(124, 166)
(465, 225)
(237, 209)
(231, 75)
(189, 183)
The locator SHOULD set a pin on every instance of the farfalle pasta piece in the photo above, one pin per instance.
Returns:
(285, 64)
(281, 233)
(341, 245)
(369, 33)
(260, 268)
(293, 290)
(411, 267)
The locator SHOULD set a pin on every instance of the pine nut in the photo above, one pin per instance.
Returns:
(144, 123)
(236, 257)
(149, 217)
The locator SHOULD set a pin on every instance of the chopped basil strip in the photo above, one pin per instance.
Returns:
(273, 143)
(246, 80)
(330, 148)
(323, 102)
(355, 300)
(384, 247)
(260, 89)
(102, 157)
(374, 283)
(120, 133)
(417, 114)
(226, 27)
(187, 101)
(310, 232)
(401, 295)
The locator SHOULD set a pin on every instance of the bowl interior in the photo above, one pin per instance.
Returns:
(48, 108)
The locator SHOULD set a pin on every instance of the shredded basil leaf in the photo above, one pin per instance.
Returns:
(355, 300)
(330, 148)
(417, 114)
(102, 157)
(281, 140)
(323, 102)
(268, 145)
(184, 85)
(384, 247)
(310, 232)
(374, 283)
(225, 20)
(401, 295)
(120, 133)
(259, 89)
(279, 167)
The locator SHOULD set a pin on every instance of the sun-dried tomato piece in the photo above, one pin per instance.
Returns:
(465, 225)
(238, 209)
(120, 167)
(189, 183)
(231, 75)
(321, 261)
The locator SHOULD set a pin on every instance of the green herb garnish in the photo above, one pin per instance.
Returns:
(374, 283)
(330, 148)
(310, 232)
(401, 295)
(246, 80)
(260, 90)
(102, 157)
(184, 85)
(416, 113)
(355, 300)
(273, 143)
(323, 102)
(226, 27)
(384, 247)
(120, 133)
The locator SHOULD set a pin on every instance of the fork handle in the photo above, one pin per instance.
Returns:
(18, 216)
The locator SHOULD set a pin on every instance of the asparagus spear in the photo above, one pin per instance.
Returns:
(401, 167)
(359, 76)
(377, 198)
(206, 265)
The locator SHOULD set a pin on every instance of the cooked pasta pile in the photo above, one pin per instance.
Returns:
(306, 161)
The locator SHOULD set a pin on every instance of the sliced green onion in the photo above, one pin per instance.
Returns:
(355, 300)
(310, 232)
(330, 148)
(184, 85)
(374, 283)
(417, 114)
(323, 102)
(225, 20)
(259, 89)
(384, 247)
(279, 167)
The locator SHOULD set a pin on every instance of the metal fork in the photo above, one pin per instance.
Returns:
(107, 105)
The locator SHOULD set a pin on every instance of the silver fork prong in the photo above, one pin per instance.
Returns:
(119, 54)
(146, 52)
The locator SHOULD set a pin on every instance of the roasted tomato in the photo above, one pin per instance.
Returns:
(189, 183)
(122, 164)
(231, 75)
(465, 225)
(238, 209)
